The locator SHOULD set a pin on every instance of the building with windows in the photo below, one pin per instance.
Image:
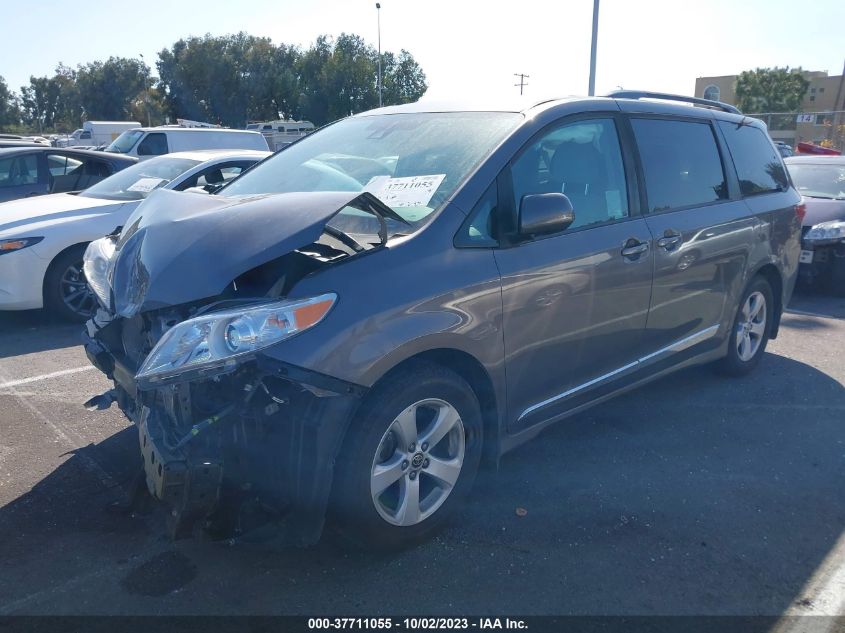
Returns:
(823, 107)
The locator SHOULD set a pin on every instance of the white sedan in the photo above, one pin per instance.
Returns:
(42, 239)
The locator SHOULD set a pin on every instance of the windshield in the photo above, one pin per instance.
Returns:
(136, 182)
(411, 162)
(819, 181)
(125, 142)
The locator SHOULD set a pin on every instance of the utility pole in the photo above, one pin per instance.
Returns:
(522, 78)
(378, 14)
(146, 92)
(592, 89)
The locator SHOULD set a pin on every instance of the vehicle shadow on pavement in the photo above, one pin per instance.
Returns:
(693, 495)
(817, 303)
(32, 331)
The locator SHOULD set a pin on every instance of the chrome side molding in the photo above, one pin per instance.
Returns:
(673, 348)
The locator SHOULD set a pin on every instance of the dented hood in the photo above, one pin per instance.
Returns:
(177, 248)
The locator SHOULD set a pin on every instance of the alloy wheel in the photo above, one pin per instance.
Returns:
(74, 290)
(751, 326)
(418, 462)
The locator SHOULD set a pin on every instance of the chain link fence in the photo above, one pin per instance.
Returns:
(822, 128)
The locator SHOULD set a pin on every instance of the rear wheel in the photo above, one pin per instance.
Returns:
(410, 458)
(751, 329)
(66, 292)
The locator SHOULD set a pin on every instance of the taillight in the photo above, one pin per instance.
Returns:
(801, 211)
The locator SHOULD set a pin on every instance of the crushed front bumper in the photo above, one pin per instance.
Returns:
(822, 262)
(287, 462)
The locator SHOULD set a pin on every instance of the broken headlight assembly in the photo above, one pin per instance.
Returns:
(96, 263)
(219, 341)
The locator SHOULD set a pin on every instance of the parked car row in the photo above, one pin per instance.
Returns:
(43, 239)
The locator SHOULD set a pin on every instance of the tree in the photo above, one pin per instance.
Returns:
(52, 103)
(228, 79)
(109, 90)
(10, 114)
(771, 90)
(404, 80)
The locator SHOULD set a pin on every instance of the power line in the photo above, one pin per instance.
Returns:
(522, 78)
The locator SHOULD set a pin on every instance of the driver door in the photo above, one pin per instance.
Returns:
(575, 303)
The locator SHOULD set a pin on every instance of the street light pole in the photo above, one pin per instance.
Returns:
(592, 89)
(378, 18)
(146, 92)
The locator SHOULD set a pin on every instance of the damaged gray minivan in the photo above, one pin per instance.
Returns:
(345, 331)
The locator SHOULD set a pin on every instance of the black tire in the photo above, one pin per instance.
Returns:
(55, 287)
(354, 514)
(733, 364)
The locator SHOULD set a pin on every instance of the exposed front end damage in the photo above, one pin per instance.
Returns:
(237, 451)
(245, 444)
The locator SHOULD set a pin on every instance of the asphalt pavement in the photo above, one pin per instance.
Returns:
(696, 494)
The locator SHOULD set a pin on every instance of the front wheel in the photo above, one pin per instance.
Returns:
(410, 458)
(66, 291)
(751, 329)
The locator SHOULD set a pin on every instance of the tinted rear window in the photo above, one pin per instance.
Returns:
(758, 164)
(681, 163)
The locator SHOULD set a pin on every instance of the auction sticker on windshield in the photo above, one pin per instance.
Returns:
(409, 191)
(145, 185)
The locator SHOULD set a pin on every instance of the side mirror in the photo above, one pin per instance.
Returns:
(544, 213)
(212, 187)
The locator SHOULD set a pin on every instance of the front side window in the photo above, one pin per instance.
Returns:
(19, 170)
(758, 164)
(155, 144)
(61, 165)
(217, 175)
(681, 163)
(412, 162)
(481, 229)
(582, 160)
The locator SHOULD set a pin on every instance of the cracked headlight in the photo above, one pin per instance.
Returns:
(220, 340)
(129, 279)
(833, 230)
(96, 262)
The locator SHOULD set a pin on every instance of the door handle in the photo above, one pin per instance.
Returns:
(633, 248)
(670, 240)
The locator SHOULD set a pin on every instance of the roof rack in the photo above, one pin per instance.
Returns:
(707, 103)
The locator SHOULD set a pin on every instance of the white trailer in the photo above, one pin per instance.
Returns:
(281, 133)
(96, 133)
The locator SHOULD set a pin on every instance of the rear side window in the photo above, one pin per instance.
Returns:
(758, 165)
(154, 144)
(681, 163)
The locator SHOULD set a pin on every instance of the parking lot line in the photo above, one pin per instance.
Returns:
(55, 374)
(808, 313)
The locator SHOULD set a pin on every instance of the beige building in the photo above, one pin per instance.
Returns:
(823, 106)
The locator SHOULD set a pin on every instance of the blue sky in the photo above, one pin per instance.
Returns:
(465, 47)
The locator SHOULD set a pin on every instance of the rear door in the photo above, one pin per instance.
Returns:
(702, 231)
(575, 303)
